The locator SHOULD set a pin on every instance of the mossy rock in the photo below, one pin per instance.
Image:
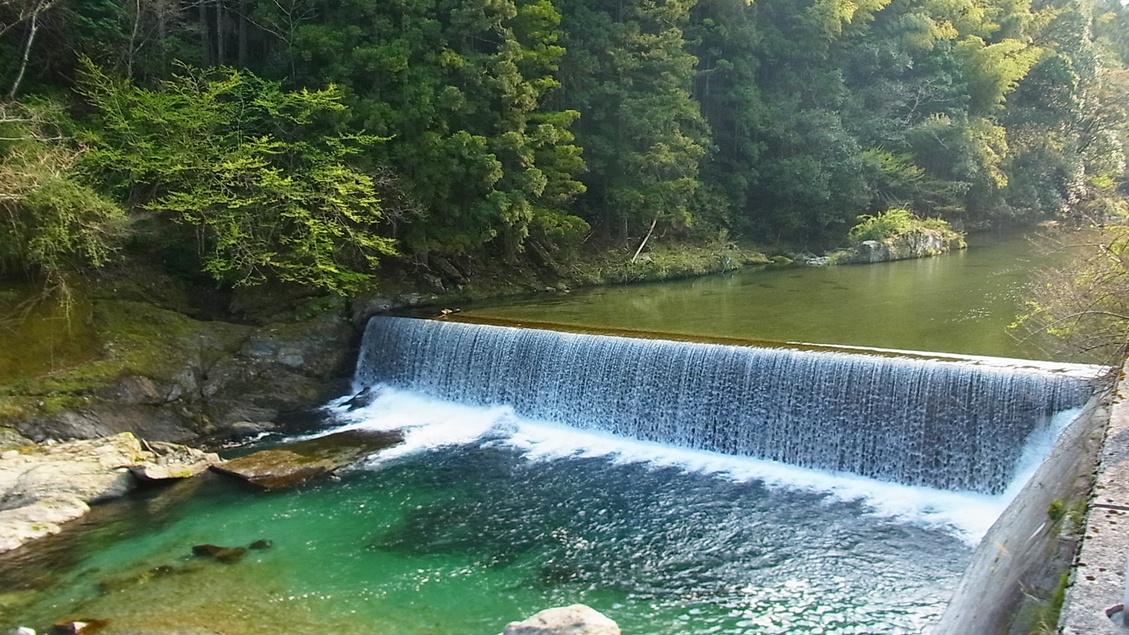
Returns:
(299, 462)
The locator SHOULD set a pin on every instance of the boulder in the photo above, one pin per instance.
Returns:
(921, 243)
(299, 462)
(90, 470)
(41, 518)
(577, 619)
(42, 487)
(173, 461)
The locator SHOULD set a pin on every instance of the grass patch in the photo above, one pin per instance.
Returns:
(1047, 614)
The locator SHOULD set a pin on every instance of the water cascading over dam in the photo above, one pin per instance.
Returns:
(916, 421)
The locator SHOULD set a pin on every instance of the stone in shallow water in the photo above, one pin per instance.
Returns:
(577, 619)
(226, 555)
(172, 462)
(299, 462)
(82, 626)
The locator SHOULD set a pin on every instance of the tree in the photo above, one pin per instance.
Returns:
(28, 14)
(53, 223)
(628, 73)
(257, 173)
(1084, 303)
(461, 87)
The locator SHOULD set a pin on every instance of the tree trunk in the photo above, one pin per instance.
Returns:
(32, 29)
(205, 44)
(133, 39)
(654, 222)
(221, 54)
(242, 33)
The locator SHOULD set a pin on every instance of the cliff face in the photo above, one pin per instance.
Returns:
(168, 377)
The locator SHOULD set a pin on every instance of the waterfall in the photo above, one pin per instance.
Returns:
(916, 421)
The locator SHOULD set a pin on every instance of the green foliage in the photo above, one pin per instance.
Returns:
(460, 87)
(629, 74)
(1045, 621)
(257, 172)
(53, 223)
(505, 121)
(1056, 510)
(1083, 304)
(894, 222)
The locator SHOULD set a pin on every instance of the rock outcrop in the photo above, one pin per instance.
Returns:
(299, 462)
(42, 487)
(918, 243)
(169, 377)
(577, 619)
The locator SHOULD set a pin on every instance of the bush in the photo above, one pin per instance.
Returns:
(52, 223)
(894, 222)
(260, 174)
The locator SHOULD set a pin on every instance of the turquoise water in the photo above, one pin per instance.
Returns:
(482, 517)
(460, 540)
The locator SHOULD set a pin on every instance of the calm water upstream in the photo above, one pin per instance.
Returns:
(485, 516)
(957, 303)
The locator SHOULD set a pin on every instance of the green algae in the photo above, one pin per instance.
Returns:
(133, 338)
(42, 330)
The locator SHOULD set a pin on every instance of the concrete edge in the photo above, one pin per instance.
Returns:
(1097, 579)
(1015, 559)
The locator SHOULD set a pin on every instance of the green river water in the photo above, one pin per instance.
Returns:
(483, 517)
(957, 303)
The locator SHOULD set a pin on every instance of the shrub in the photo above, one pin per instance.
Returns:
(894, 222)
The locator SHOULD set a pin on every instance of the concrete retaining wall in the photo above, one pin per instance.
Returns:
(1014, 562)
(1097, 580)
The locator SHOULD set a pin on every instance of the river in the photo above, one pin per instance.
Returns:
(957, 303)
(486, 515)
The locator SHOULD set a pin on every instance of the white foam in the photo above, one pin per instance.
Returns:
(431, 423)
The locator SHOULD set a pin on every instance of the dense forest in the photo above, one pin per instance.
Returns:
(309, 140)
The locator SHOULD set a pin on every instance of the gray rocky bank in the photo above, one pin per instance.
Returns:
(42, 487)
(918, 243)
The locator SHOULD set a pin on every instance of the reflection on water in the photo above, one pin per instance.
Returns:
(956, 303)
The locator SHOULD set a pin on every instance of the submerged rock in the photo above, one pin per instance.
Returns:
(299, 462)
(577, 619)
(226, 555)
(120, 584)
(83, 626)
